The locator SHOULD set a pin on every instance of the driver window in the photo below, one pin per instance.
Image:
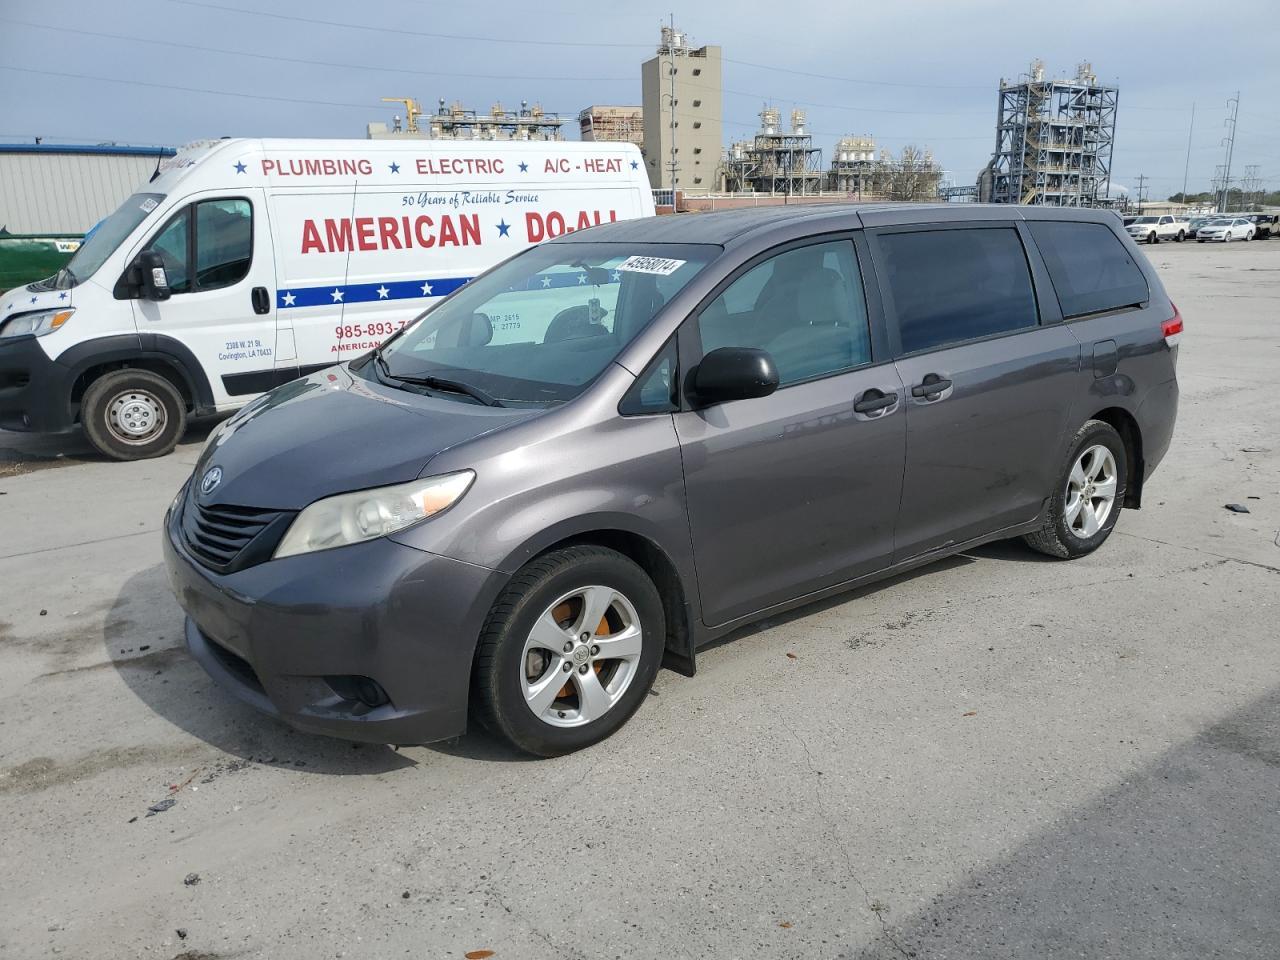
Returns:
(805, 307)
(172, 243)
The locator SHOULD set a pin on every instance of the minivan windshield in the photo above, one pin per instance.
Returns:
(105, 237)
(541, 326)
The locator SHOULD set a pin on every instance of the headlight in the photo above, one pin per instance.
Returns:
(369, 514)
(36, 323)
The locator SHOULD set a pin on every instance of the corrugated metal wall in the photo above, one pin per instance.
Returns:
(66, 193)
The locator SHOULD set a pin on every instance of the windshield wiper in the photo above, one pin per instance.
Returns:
(438, 383)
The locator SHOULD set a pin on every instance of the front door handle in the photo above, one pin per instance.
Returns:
(931, 386)
(261, 300)
(874, 401)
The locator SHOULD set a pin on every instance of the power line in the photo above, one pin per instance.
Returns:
(402, 31)
(276, 58)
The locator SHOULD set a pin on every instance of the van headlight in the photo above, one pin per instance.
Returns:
(369, 514)
(37, 323)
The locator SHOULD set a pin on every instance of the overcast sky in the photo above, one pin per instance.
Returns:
(905, 71)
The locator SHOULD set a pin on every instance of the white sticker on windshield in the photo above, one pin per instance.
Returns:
(659, 266)
(148, 205)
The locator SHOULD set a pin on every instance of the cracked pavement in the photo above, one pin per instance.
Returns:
(997, 756)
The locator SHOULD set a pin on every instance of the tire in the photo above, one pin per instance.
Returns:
(516, 682)
(1199, 239)
(133, 414)
(1067, 535)
(1226, 237)
(1182, 235)
(1152, 238)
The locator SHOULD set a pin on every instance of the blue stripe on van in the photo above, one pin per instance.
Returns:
(332, 295)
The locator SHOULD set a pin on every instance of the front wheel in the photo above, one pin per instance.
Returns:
(1086, 504)
(133, 414)
(1152, 238)
(1182, 235)
(569, 652)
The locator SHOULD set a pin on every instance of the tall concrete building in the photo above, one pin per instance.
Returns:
(682, 103)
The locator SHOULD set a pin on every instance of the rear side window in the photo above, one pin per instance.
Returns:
(1090, 268)
(949, 286)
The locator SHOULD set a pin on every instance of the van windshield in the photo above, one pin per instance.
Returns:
(102, 240)
(542, 326)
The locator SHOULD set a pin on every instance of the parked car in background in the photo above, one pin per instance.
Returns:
(618, 446)
(1195, 223)
(1226, 229)
(1265, 225)
(245, 264)
(1155, 229)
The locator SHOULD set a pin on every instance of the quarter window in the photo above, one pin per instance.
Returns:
(1090, 268)
(222, 247)
(805, 307)
(949, 286)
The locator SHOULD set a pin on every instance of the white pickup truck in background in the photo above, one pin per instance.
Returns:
(1155, 229)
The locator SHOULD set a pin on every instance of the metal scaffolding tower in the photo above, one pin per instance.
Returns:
(1054, 140)
(776, 162)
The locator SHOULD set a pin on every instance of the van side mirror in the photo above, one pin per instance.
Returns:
(734, 373)
(152, 280)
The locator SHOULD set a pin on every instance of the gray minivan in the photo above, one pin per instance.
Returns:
(619, 445)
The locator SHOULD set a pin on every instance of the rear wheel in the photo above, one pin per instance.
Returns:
(1182, 235)
(1084, 508)
(570, 650)
(133, 414)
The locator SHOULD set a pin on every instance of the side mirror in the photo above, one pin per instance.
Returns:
(153, 281)
(734, 373)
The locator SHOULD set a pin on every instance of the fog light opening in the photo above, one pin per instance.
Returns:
(361, 689)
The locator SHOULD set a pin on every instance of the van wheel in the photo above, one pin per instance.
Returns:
(570, 649)
(1086, 504)
(133, 414)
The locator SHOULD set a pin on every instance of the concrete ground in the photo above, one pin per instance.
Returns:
(997, 756)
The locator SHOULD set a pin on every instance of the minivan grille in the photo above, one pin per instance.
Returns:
(228, 538)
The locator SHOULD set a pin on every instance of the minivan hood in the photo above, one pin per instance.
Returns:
(331, 433)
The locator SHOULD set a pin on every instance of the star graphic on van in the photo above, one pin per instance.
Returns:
(288, 299)
(524, 167)
(634, 164)
(503, 227)
(337, 295)
(426, 289)
(240, 167)
(582, 278)
(395, 167)
(382, 292)
(546, 282)
(615, 276)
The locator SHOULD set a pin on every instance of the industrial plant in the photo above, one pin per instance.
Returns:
(1054, 140)
(456, 122)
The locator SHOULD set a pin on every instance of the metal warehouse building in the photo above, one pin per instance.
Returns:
(65, 190)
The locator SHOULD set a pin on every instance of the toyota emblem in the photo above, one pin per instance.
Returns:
(209, 482)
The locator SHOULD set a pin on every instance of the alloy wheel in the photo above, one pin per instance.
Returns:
(581, 656)
(1091, 491)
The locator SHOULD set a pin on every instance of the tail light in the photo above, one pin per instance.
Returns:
(1172, 328)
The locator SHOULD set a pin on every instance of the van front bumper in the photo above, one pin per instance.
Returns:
(369, 642)
(33, 388)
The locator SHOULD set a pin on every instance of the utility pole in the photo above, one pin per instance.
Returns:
(671, 97)
(1187, 165)
(1142, 186)
(1230, 141)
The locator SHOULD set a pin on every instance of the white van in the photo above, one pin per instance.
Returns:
(247, 263)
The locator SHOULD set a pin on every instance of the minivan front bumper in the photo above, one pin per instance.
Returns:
(320, 639)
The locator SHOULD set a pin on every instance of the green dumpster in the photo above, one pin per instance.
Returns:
(26, 257)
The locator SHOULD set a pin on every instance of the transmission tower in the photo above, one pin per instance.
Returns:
(1229, 141)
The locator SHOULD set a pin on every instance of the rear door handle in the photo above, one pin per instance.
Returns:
(874, 401)
(931, 386)
(261, 300)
